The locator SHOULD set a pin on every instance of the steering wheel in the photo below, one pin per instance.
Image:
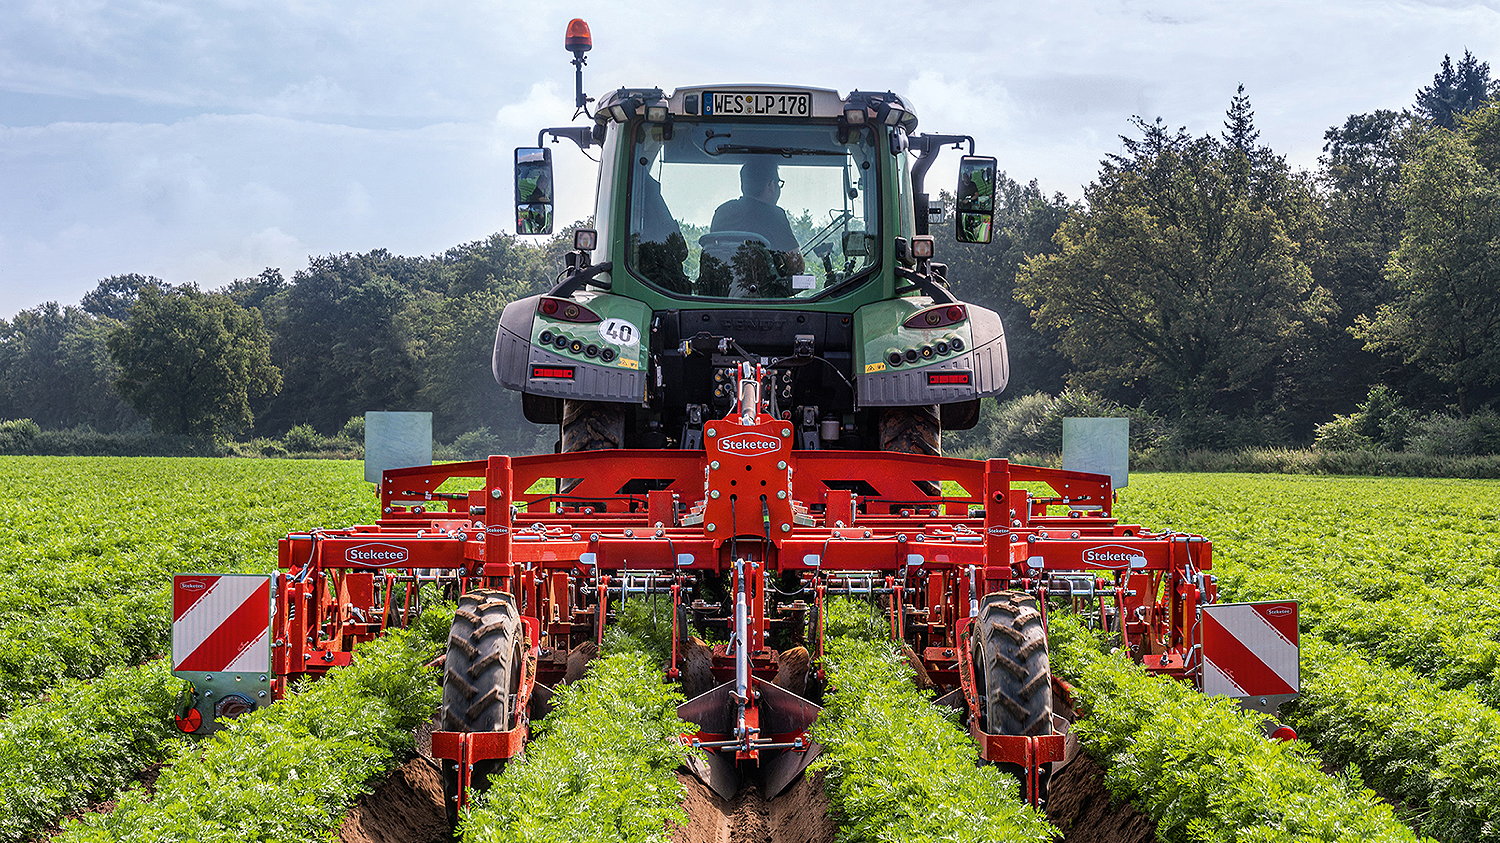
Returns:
(731, 239)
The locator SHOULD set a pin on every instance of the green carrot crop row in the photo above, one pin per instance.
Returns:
(288, 772)
(1404, 570)
(1200, 766)
(1433, 749)
(1401, 576)
(898, 769)
(86, 741)
(88, 546)
(602, 768)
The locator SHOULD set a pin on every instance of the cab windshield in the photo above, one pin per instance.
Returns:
(752, 210)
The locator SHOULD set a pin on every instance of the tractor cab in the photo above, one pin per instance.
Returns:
(778, 225)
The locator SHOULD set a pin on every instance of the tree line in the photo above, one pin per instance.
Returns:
(1205, 281)
(1200, 280)
(264, 355)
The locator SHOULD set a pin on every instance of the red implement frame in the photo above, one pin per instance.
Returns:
(660, 521)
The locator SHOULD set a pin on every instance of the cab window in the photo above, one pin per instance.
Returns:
(752, 209)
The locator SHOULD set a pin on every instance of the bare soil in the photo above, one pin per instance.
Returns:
(1081, 806)
(798, 815)
(408, 808)
(405, 808)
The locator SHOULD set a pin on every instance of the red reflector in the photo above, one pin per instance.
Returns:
(948, 378)
(564, 372)
(189, 722)
(1284, 733)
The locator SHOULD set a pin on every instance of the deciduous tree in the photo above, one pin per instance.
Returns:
(1446, 318)
(192, 362)
(1184, 278)
(55, 369)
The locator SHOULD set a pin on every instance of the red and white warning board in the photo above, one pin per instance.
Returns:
(221, 623)
(1250, 649)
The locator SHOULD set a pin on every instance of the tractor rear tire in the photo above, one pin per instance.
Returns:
(1011, 666)
(481, 679)
(911, 430)
(592, 426)
(589, 426)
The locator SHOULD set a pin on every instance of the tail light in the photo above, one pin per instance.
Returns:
(567, 311)
(940, 316)
(950, 378)
(557, 372)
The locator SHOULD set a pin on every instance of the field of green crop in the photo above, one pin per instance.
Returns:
(87, 549)
(1398, 580)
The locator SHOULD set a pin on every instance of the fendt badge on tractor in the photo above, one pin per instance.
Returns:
(751, 361)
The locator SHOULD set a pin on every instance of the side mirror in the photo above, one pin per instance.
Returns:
(974, 218)
(533, 190)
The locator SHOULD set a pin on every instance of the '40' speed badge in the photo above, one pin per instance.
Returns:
(619, 332)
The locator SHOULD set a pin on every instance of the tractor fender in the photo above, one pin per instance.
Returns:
(531, 368)
(513, 343)
(979, 371)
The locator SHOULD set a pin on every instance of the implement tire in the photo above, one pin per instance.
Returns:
(1011, 666)
(481, 679)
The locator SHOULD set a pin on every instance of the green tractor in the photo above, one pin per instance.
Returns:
(782, 226)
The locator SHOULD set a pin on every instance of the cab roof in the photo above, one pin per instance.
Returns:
(825, 102)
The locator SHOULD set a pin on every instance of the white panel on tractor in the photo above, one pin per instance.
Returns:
(396, 440)
(1098, 446)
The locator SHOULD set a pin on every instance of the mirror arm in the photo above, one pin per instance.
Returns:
(581, 135)
(933, 285)
(927, 147)
(588, 275)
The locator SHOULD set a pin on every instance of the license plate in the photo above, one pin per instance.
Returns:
(757, 104)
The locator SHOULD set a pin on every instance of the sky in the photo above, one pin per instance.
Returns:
(206, 140)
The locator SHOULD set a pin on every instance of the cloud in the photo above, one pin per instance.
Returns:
(203, 139)
(212, 198)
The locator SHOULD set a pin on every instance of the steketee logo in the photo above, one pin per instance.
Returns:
(1114, 556)
(749, 443)
(1279, 611)
(192, 585)
(376, 555)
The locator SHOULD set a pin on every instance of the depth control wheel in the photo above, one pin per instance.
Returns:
(1011, 666)
(481, 679)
